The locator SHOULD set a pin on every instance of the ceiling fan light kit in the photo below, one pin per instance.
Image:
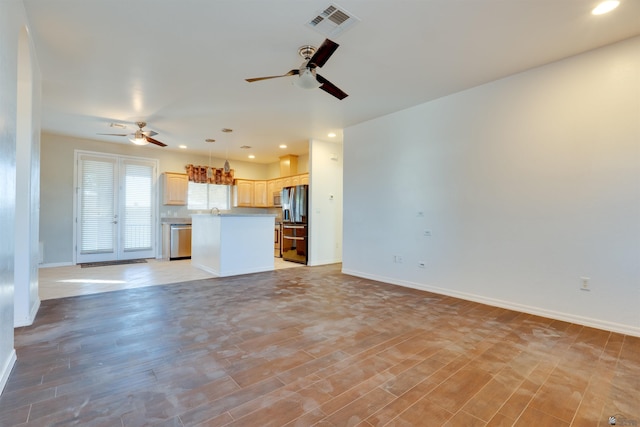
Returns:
(307, 80)
(139, 138)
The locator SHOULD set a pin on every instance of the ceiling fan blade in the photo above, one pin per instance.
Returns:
(323, 53)
(149, 133)
(155, 141)
(113, 134)
(290, 73)
(330, 88)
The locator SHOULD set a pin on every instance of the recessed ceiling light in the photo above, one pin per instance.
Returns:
(227, 130)
(331, 135)
(209, 140)
(605, 6)
(283, 146)
(251, 156)
(182, 146)
(245, 147)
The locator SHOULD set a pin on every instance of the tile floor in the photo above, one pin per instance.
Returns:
(311, 347)
(67, 281)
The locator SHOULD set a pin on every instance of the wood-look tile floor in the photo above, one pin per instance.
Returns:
(311, 346)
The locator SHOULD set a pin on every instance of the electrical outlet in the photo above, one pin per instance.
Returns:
(421, 264)
(584, 284)
(426, 233)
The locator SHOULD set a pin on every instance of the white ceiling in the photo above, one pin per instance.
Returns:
(180, 65)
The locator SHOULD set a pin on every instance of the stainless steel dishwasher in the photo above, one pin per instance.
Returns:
(180, 241)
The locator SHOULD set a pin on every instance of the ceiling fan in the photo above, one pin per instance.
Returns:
(140, 137)
(307, 76)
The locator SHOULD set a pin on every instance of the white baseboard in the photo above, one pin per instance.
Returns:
(205, 268)
(17, 323)
(537, 311)
(230, 273)
(324, 262)
(55, 264)
(6, 370)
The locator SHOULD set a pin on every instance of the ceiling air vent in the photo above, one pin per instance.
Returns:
(332, 21)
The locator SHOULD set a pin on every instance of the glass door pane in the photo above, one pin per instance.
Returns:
(97, 210)
(137, 213)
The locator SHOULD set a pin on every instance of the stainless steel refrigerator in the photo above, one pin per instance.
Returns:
(295, 207)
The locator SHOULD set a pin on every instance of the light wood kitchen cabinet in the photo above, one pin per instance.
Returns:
(271, 189)
(259, 194)
(260, 197)
(243, 193)
(302, 179)
(176, 188)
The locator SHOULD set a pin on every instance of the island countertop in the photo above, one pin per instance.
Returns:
(234, 214)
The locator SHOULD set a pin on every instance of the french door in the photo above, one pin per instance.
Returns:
(115, 207)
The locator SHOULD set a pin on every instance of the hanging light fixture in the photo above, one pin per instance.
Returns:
(307, 79)
(139, 138)
(227, 167)
(209, 168)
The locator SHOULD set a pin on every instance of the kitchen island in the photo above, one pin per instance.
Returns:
(232, 244)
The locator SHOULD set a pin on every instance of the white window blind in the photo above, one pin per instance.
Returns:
(197, 196)
(219, 196)
(208, 196)
(138, 182)
(97, 196)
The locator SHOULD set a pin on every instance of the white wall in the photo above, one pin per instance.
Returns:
(12, 22)
(325, 203)
(527, 184)
(26, 296)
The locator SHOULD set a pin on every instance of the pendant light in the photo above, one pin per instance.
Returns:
(227, 167)
(209, 168)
